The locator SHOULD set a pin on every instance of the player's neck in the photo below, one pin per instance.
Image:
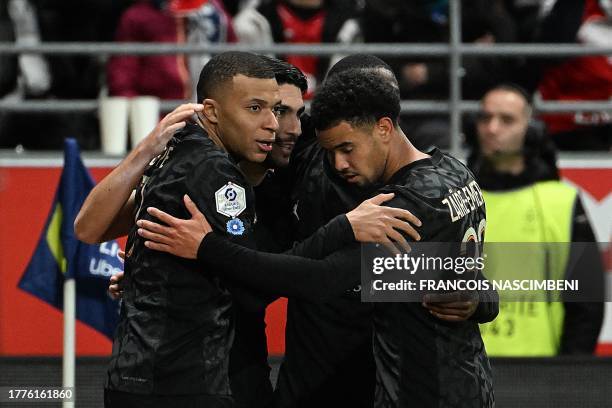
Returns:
(401, 154)
(253, 172)
(213, 133)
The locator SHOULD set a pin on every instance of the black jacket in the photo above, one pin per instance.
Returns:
(178, 322)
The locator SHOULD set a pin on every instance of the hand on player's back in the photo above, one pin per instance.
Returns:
(115, 290)
(177, 237)
(373, 222)
(454, 306)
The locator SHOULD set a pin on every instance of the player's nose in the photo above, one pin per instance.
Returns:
(271, 122)
(340, 163)
(294, 127)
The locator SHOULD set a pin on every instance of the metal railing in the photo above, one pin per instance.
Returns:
(384, 49)
(455, 50)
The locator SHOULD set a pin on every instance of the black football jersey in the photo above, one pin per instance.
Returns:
(177, 320)
(422, 361)
(328, 358)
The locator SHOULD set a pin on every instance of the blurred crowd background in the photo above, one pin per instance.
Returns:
(265, 22)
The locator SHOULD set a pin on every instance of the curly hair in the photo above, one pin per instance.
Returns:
(359, 97)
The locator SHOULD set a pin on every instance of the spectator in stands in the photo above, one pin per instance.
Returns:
(525, 14)
(9, 71)
(300, 21)
(164, 76)
(587, 22)
(57, 76)
(427, 21)
(26, 73)
(173, 21)
(514, 164)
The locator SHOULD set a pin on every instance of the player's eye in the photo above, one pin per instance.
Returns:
(255, 108)
(279, 111)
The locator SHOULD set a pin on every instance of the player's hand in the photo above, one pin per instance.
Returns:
(179, 237)
(156, 141)
(454, 306)
(372, 222)
(115, 290)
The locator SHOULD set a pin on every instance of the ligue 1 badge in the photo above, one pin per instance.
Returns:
(231, 200)
(235, 226)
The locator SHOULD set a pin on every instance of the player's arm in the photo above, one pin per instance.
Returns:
(369, 222)
(584, 310)
(488, 304)
(272, 274)
(314, 280)
(337, 256)
(284, 274)
(108, 209)
(480, 306)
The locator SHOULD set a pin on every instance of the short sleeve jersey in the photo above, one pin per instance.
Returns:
(421, 360)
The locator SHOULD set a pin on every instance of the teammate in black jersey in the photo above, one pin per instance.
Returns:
(418, 357)
(328, 358)
(421, 361)
(173, 341)
(250, 381)
(323, 375)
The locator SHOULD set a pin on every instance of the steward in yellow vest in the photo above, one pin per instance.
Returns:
(515, 165)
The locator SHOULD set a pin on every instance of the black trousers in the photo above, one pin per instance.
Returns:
(119, 399)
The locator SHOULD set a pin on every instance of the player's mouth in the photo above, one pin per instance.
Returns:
(350, 177)
(265, 145)
(285, 146)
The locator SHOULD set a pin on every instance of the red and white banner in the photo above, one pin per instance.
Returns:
(594, 178)
(29, 326)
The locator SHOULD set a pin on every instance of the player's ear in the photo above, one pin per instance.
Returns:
(384, 127)
(211, 110)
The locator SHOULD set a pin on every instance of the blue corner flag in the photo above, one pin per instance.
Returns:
(60, 255)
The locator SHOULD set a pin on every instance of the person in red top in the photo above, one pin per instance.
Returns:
(300, 21)
(581, 78)
(174, 21)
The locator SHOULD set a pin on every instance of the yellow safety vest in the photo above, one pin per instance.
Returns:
(539, 213)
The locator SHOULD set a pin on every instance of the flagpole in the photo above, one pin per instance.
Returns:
(68, 366)
(59, 257)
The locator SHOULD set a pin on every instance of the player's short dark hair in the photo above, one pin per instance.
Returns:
(356, 96)
(286, 73)
(223, 67)
(358, 61)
